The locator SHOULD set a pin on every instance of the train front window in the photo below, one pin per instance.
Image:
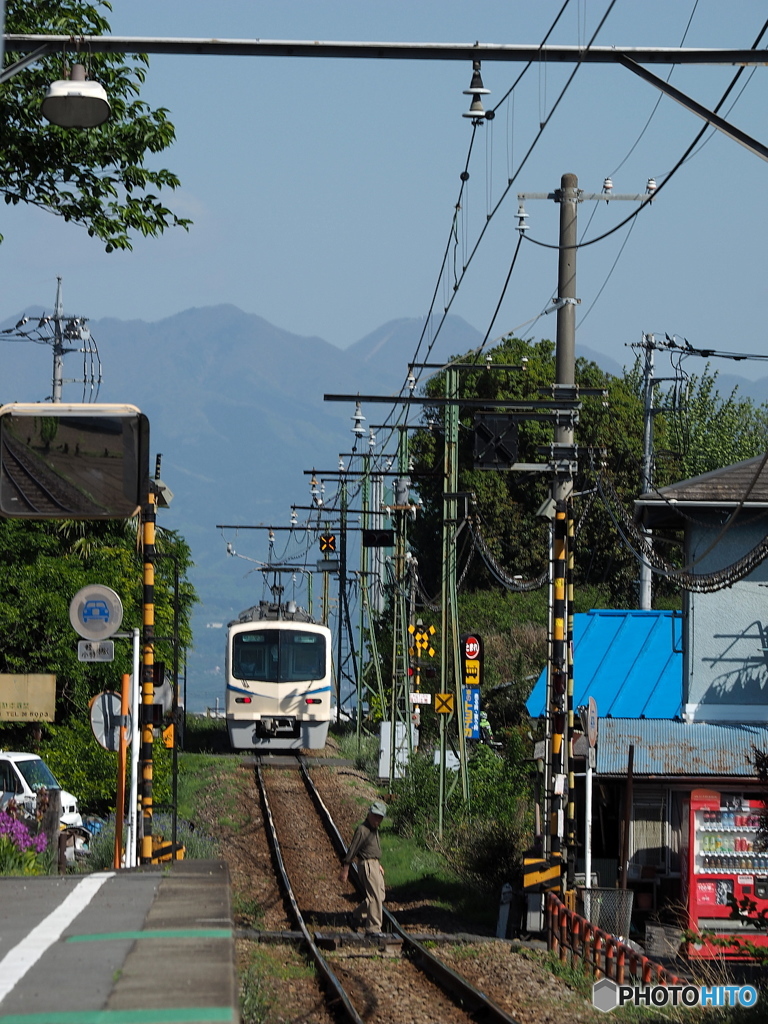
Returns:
(278, 655)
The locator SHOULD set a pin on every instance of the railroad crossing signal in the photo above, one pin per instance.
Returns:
(327, 542)
(421, 640)
(444, 703)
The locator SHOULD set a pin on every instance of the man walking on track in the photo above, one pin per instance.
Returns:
(365, 846)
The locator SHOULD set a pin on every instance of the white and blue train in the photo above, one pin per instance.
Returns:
(279, 679)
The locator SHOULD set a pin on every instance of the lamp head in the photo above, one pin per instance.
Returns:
(76, 103)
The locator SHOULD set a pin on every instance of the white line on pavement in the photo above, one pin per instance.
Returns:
(21, 958)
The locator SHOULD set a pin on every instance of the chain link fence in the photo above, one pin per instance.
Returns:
(609, 909)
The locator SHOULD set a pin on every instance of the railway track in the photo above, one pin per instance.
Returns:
(388, 980)
(31, 494)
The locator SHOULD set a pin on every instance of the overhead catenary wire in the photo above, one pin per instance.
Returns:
(643, 549)
(664, 179)
(403, 415)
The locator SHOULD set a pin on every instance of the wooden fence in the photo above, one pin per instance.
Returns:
(575, 940)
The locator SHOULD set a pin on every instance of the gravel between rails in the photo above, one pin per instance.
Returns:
(512, 978)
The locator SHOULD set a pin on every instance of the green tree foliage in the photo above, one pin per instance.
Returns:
(44, 565)
(85, 769)
(505, 503)
(703, 431)
(100, 177)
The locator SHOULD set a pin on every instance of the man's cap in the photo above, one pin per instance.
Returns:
(378, 807)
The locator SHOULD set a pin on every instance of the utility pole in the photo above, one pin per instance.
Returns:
(449, 632)
(559, 832)
(650, 344)
(646, 473)
(565, 382)
(57, 330)
(74, 330)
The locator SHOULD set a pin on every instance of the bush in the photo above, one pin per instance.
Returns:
(204, 735)
(364, 756)
(197, 845)
(484, 844)
(487, 852)
(414, 810)
(87, 770)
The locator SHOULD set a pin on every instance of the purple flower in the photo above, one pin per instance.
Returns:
(19, 834)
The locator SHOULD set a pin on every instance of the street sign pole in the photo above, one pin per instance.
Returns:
(121, 762)
(441, 783)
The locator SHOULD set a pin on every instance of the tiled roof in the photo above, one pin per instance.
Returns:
(743, 482)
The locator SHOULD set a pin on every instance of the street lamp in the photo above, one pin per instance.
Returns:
(75, 102)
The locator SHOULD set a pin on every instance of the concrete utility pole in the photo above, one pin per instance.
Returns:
(646, 473)
(566, 301)
(565, 381)
(58, 345)
(559, 833)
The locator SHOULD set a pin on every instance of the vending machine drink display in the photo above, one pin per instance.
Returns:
(724, 870)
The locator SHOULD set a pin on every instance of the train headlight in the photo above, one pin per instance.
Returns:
(313, 700)
(242, 700)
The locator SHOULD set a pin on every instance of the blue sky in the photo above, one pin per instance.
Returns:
(323, 190)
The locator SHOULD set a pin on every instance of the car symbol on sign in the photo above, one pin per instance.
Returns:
(96, 611)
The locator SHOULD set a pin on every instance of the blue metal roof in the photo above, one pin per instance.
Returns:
(631, 662)
(667, 748)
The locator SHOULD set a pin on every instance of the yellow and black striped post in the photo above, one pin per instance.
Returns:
(559, 675)
(570, 827)
(147, 677)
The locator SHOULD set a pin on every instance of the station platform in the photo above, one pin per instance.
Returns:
(151, 945)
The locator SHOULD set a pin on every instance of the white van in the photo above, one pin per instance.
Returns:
(22, 775)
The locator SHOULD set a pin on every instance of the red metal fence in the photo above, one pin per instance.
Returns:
(575, 940)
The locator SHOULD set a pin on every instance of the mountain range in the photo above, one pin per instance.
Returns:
(236, 408)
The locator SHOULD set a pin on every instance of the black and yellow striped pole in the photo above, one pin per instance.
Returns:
(559, 678)
(149, 518)
(570, 827)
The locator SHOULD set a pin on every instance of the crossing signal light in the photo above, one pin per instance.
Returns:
(328, 542)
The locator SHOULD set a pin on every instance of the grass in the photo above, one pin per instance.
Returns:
(248, 911)
(255, 998)
(416, 873)
(581, 982)
(265, 983)
(215, 780)
(365, 757)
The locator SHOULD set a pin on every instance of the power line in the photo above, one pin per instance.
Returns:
(665, 181)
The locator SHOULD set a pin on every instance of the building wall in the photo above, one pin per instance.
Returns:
(726, 651)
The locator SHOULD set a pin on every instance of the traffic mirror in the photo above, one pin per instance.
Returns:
(73, 461)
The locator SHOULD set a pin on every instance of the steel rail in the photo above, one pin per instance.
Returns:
(19, 473)
(477, 1003)
(337, 997)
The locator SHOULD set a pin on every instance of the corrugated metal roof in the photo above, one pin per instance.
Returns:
(631, 662)
(678, 748)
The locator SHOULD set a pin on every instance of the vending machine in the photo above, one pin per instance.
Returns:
(724, 871)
